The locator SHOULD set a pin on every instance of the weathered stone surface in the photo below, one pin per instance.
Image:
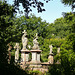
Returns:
(50, 59)
(24, 40)
(35, 62)
(17, 47)
(25, 55)
(50, 46)
(36, 55)
(35, 43)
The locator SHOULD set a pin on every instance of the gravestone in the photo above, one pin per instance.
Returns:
(17, 47)
(50, 58)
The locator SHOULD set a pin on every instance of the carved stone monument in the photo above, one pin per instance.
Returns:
(24, 40)
(50, 58)
(35, 62)
(35, 43)
(24, 52)
(17, 47)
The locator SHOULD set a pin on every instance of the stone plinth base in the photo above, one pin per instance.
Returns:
(25, 51)
(35, 62)
(35, 50)
(39, 69)
(25, 55)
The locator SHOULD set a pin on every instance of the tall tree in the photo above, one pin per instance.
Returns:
(6, 13)
(69, 2)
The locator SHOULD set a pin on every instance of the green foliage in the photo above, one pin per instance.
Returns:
(35, 72)
(54, 33)
(28, 4)
(6, 22)
(67, 57)
(62, 26)
(61, 34)
(45, 47)
(68, 2)
(6, 12)
(11, 70)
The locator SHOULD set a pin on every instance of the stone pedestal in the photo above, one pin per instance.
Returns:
(25, 55)
(35, 62)
(50, 58)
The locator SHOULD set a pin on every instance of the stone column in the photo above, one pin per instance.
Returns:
(25, 55)
(34, 56)
(35, 62)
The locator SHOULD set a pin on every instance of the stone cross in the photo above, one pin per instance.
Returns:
(24, 40)
(17, 47)
(50, 46)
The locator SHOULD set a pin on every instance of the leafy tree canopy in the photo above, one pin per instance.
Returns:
(27, 4)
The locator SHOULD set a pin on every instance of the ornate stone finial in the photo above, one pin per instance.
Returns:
(24, 40)
(50, 46)
(35, 43)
